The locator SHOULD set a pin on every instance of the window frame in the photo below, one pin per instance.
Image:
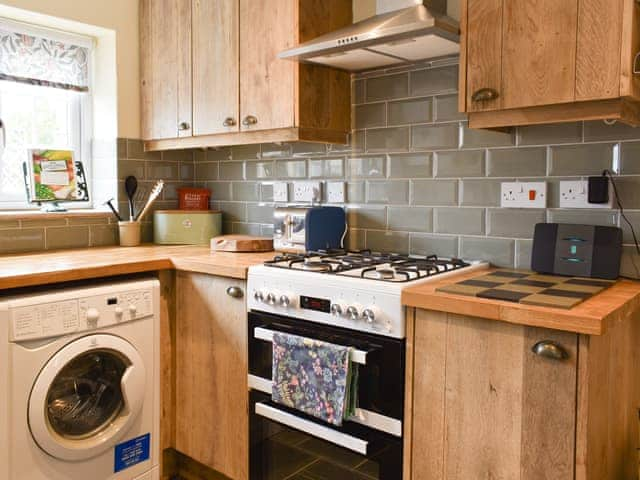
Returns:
(85, 106)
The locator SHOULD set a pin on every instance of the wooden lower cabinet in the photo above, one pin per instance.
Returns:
(482, 405)
(211, 374)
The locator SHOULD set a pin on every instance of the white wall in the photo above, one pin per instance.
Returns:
(120, 16)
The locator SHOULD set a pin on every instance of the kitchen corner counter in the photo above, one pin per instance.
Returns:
(591, 317)
(24, 270)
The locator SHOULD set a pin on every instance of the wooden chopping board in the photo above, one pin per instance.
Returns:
(241, 243)
(529, 288)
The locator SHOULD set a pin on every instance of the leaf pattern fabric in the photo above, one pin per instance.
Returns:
(314, 377)
(43, 61)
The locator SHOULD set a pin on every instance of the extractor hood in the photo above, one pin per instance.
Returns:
(402, 31)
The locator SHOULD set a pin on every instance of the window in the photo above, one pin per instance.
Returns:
(45, 102)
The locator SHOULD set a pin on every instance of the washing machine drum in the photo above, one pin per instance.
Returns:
(86, 397)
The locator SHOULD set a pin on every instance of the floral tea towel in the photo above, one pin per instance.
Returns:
(314, 377)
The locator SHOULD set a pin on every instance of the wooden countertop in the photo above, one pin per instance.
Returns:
(591, 317)
(78, 264)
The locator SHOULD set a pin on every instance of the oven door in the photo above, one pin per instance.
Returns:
(287, 444)
(284, 440)
(381, 364)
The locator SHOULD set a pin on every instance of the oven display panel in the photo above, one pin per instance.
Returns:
(317, 304)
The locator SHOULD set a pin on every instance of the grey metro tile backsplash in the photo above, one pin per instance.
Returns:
(418, 179)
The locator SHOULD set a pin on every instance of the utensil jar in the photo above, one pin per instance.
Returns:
(129, 234)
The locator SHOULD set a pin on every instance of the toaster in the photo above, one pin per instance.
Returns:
(306, 229)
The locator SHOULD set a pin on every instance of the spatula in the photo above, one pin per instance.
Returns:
(130, 186)
(155, 193)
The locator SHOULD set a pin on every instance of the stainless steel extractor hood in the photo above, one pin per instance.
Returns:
(402, 31)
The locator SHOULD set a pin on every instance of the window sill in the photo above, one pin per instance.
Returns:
(38, 215)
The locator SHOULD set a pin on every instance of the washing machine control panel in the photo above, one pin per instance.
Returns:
(71, 316)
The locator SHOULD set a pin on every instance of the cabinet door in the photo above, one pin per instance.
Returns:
(215, 66)
(599, 38)
(165, 57)
(211, 373)
(539, 52)
(267, 83)
(482, 37)
(485, 406)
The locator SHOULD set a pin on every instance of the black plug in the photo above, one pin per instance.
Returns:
(598, 191)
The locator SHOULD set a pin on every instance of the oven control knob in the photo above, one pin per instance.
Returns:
(352, 313)
(258, 296)
(271, 299)
(285, 301)
(133, 310)
(337, 310)
(369, 315)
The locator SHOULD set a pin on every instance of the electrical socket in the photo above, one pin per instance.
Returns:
(310, 191)
(280, 192)
(523, 194)
(575, 194)
(336, 192)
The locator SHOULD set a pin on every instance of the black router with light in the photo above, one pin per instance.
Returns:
(577, 250)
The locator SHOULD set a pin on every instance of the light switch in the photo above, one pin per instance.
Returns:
(336, 192)
(280, 192)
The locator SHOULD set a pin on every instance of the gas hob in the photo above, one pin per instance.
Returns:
(388, 267)
(354, 290)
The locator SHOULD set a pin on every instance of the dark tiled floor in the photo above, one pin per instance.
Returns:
(294, 456)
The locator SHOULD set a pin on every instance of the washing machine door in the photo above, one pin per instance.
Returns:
(86, 397)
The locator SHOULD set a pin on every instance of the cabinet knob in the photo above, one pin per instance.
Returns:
(182, 126)
(549, 349)
(249, 120)
(229, 122)
(636, 64)
(484, 95)
(235, 292)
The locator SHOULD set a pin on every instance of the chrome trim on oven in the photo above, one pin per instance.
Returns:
(325, 433)
(357, 356)
(383, 423)
(261, 384)
(364, 417)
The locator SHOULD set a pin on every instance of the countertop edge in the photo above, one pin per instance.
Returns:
(27, 270)
(592, 317)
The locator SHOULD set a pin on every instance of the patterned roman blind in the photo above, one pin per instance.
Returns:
(37, 60)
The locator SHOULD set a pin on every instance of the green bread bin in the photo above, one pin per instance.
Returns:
(186, 227)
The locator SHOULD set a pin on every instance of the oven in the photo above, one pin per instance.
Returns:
(286, 442)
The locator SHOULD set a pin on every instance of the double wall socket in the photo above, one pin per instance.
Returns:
(523, 195)
(575, 194)
(310, 191)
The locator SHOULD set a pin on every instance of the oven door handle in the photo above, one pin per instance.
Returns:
(357, 356)
(320, 431)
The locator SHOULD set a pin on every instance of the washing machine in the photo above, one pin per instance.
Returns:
(79, 383)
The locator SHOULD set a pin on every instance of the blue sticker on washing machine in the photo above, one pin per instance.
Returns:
(132, 452)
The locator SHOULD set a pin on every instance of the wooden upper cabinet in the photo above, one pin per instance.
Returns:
(165, 43)
(216, 99)
(241, 91)
(597, 68)
(483, 34)
(544, 61)
(538, 52)
(267, 83)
